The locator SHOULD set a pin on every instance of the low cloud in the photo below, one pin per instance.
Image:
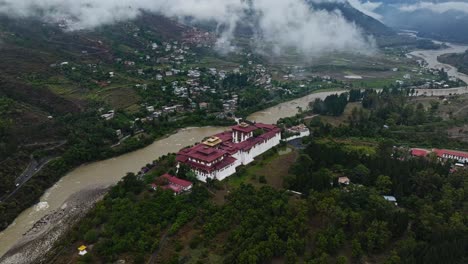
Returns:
(367, 8)
(282, 24)
(436, 7)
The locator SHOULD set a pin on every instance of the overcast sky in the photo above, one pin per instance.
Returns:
(437, 7)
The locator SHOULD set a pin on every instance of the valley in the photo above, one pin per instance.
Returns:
(93, 110)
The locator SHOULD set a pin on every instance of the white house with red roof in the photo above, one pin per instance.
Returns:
(446, 154)
(442, 154)
(416, 152)
(218, 156)
(174, 184)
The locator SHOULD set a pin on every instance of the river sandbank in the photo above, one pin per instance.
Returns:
(40, 239)
(34, 231)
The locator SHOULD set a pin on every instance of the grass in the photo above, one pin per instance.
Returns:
(343, 119)
(120, 98)
(364, 147)
(453, 111)
(273, 168)
(215, 62)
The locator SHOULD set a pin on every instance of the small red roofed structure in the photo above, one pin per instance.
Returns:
(415, 152)
(174, 184)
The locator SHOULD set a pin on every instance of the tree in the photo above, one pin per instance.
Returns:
(383, 184)
(355, 95)
(356, 249)
(321, 180)
(341, 260)
(376, 236)
(90, 236)
(360, 173)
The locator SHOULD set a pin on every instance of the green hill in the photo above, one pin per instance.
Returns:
(458, 60)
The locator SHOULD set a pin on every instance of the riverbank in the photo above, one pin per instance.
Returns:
(40, 238)
(109, 172)
(431, 57)
(15, 202)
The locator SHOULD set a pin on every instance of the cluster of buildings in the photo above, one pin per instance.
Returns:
(199, 38)
(218, 156)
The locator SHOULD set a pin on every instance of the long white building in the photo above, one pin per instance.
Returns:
(218, 156)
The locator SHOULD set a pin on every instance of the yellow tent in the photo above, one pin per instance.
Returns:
(82, 247)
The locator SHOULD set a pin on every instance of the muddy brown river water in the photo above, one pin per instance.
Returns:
(108, 172)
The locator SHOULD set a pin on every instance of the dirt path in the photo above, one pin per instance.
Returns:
(461, 109)
(155, 253)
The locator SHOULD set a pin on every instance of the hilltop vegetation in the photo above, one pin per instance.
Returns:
(76, 97)
(105, 92)
(249, 218)
(258, 225)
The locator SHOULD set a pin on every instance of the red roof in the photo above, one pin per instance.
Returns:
(225, 136)
(177, 181)
(246, 129)
(419, 152)
(251, 142)
(441, 152)
(265, 126)
(172, 187)
(226, 148)
(200, 152)
(225, 162)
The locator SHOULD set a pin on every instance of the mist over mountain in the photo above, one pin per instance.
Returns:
(444, 20)
(310, 27)
(361, 18)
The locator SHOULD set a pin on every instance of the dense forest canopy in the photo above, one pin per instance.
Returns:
(330, 222)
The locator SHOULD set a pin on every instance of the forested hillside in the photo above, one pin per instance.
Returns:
(311, 217)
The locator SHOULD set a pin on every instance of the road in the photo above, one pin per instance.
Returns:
(442, 92)
(33, 167)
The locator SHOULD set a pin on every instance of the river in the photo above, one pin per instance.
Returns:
(108, 172)
(430, 56)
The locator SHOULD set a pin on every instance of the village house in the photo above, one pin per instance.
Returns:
(118, 133)
(109, 115)
(459, 156)
(218, 156)
(344, 181)
(443, 154)
(298, 131)
(416, 152)
(173, 183)
(203, 105)
(391, 199)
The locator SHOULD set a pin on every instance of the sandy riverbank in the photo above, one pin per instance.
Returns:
(38, 240)
(55, 204)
